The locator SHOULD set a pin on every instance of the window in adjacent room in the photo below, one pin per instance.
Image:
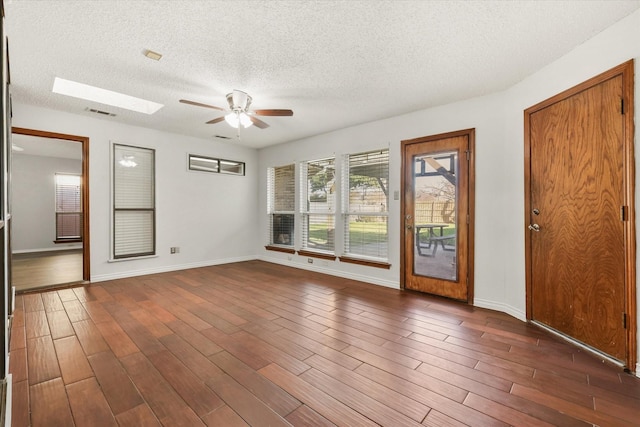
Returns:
(365, 204)
(281, 205)
(133, 201)
(317, 204)
(68, 208)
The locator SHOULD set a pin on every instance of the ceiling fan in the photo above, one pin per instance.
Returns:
(239, 113)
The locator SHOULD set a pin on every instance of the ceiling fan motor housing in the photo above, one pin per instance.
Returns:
(238, 100)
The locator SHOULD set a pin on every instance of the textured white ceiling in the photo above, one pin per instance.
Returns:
(334, 63)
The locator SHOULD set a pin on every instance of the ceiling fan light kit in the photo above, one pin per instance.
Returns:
(239, 114)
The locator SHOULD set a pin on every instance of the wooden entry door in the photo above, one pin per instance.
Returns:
(579, 209)
(436, 212)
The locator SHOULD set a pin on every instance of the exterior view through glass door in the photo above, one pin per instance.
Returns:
(436, 214)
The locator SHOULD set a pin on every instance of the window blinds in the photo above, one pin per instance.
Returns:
(365, 200)
(317, 204)
(133, 201)
(68, 207)
(281, 205)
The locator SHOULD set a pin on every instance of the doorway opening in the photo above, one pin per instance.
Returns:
(50, 209)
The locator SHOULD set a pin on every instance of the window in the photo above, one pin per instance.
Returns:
(317, 204)
(281, 205)
(365, 203)
(209, 164)
(133, 201)
(68, 208)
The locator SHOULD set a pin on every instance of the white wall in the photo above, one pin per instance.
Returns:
(499, 123)
(33, 227)
(211, 217)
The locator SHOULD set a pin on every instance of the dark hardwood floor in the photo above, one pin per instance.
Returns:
(265, 345)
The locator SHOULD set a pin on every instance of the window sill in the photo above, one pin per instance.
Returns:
(67, 241)
(133, 258)
(280, 249)
(367, 262)
(321, 255)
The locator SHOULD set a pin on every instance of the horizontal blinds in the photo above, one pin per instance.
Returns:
(281, 195)
(133, 201)
(365, 204)
(68, 206)
(134, 233)
(133, 178)
(317, 203)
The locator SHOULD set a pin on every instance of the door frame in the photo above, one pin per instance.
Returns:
(86, 265)
(405, 188)
(626, 70)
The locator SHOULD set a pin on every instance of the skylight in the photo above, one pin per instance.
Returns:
(103, 96)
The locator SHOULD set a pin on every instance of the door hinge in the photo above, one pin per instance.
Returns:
(468, 219)
(623, 213)
(621, 105)
(624, 320)
(468, 154)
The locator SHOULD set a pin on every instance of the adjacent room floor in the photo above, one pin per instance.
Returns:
(43, 269)
(261, 344)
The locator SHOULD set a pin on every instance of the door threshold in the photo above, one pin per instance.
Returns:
(583, 346)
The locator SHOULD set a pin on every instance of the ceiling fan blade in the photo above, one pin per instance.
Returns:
(199, 104)
(259, 123)
(218, 120)
(273, 112)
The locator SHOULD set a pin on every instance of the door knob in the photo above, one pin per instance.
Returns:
(534, 227)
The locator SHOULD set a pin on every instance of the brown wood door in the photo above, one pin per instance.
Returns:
(577, 212)
(436, 214)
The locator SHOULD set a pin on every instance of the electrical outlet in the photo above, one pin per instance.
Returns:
(310, 260)
(175, 250)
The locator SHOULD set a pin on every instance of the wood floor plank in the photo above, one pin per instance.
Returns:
(67, 295)
(89, 337)
(76, 311)
(97, 312)
(18, 364)
(50, 405)
(168, 406)
(32, 302)
(572, 409)
(116, 338)
(278, 400)
(194, 337)
(88, 405)
(244, 403)
(51, 301)
(153, 325)
(41, 360)
(197, 362)
(191, 388)
(358, 401)
(59, 324)
(388, 397)
(224, 416)
(319, 401)
(116, 385)
(305, 416)
(36, 324)
(18, 337)
(140, 416)
(504, 413)
(72, 360)
(20, 403)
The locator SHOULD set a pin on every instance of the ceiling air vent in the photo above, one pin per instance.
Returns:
(221, 137)
(104, 113)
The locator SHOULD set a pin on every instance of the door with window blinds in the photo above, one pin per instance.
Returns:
(134, 201)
